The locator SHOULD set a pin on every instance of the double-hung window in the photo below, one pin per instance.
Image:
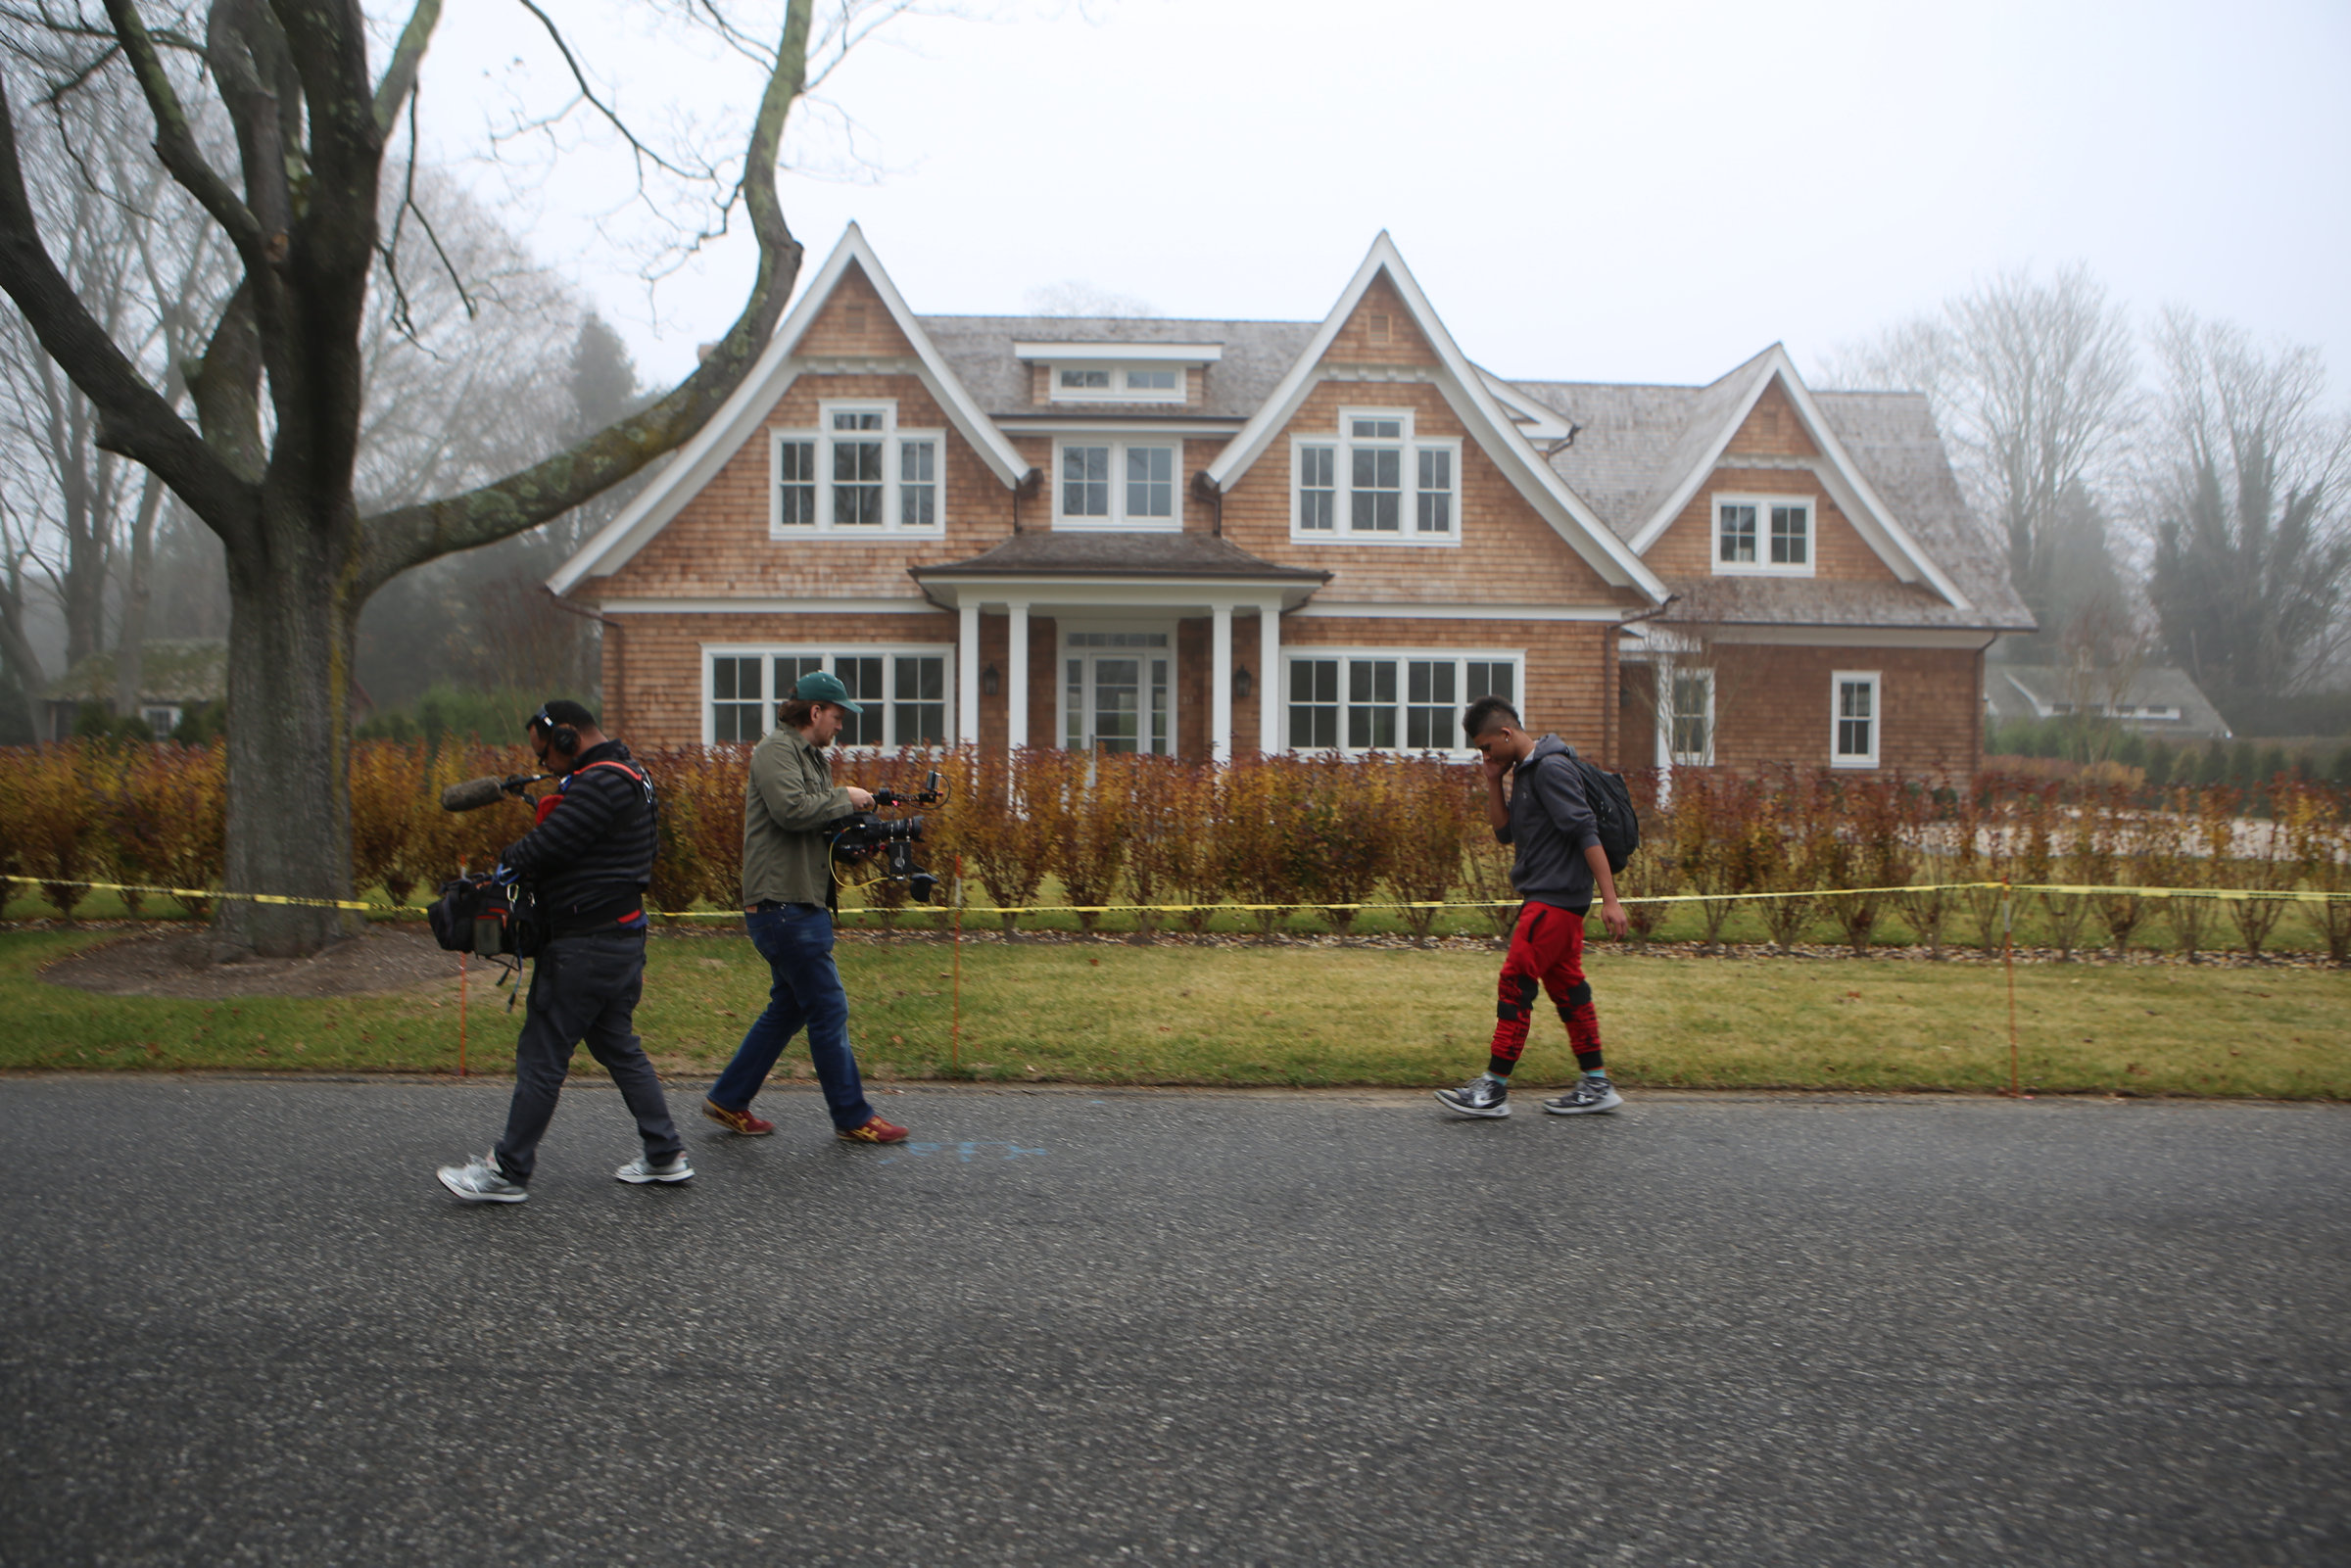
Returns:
(1375, 481)
(1118, 484)
(904, 691)
(856, 474)
(1686, 716)
(1763, 536)
(1386, 700)
(1856, 716)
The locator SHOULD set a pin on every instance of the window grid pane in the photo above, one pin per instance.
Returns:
(1437, 493)
(795, 476)
(1738, 534)
(1430, 714)
(1085, 481)
(918, 709)
(1150, 380)
(863, 677)
(1855, 714)
(1318, 495)
(1376, 500)
(856, 480)
(1313, 704)
(1790, 535)
(1086, 378)
(918, 484)
(1495, 678)
(1150, 482)
(1690, 739)
(1371, 704)
(737, 712)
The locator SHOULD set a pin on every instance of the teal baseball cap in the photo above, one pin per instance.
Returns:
(823, 686)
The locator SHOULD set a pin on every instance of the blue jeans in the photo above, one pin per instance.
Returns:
(797, 941)
(583, 988)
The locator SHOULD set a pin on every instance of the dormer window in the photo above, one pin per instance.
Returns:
(1117, 372)
(1117, 484)
(1763, 536)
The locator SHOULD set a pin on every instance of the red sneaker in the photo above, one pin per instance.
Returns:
(743, 1121)
(876, 1130)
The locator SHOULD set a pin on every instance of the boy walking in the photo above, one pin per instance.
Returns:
(1558, 862)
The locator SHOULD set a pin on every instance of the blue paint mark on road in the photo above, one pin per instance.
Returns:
(966, 1152)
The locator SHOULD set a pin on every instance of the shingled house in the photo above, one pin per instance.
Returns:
(1208, 538)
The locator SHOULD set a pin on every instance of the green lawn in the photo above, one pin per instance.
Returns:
(1120, 1013)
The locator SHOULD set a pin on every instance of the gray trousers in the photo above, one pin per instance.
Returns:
(584, 989)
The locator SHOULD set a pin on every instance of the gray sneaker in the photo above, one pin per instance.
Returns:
(642, 1170)
(1482, 1096)
(480, 1181)
(1588, 1095)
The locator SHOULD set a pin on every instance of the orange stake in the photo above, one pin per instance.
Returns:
(2016, 1089)
(460, 1015)
(955, 1031)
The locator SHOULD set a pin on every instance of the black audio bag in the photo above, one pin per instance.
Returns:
(475, 915)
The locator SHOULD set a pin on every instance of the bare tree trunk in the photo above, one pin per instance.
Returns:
(290, 648)
(130, 645)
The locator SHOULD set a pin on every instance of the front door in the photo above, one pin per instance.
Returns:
(1118, 691)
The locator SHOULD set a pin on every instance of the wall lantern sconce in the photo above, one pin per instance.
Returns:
(1241, 683)
(989, 681)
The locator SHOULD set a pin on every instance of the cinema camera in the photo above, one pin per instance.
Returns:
(870, 849)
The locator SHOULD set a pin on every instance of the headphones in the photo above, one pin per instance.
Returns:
(559, 737)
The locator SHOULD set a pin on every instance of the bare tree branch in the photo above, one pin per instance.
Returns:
(398, 84)
(176, 140)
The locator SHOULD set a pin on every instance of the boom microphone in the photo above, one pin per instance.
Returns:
(474, 793)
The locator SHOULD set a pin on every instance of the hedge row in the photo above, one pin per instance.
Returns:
(1284, 833)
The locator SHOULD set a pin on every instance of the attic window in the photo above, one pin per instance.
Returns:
(1376, 327)
(1763, 536)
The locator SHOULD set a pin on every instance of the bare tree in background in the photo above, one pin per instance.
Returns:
(2035, 385)
(2252, 548)
(279, 386)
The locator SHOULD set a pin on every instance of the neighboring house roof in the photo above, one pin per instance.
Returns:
(177, 672)
(700, 459)
(979, 348)
(1050, 555)
(1639, 446)
(1465, 388)
(2159, 700)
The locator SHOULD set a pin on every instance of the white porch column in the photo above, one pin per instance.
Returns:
(1220, 683)
(1268, 679)
(1016, 676)
(967, 674)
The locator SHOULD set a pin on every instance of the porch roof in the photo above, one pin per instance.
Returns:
(1119, 568)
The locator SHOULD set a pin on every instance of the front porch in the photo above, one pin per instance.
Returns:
(1163, 644)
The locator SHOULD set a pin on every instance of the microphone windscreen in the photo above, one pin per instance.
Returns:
(472, 794)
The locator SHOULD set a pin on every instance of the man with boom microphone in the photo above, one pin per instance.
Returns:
(788, 909)
(589, 860)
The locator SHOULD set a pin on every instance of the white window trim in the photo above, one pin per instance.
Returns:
(1837, 680)
(893, 438)
(1118, 521)
(1117, 391)
(1761, 567)
(1410, 444)
(1461, 752)
(1667, 672)
(768, 653)
(1061, 674)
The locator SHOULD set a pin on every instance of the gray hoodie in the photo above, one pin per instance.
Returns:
(1551, 826)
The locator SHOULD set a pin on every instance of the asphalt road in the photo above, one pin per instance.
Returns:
(240, 1322)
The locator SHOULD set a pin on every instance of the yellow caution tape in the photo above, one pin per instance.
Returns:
(2221, 894)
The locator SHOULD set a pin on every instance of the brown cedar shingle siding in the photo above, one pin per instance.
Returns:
(1686, 550)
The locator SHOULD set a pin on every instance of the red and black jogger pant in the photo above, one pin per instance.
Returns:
(1547, 950)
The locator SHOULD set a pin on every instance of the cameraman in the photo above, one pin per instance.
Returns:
(589, 861)
(788, 890)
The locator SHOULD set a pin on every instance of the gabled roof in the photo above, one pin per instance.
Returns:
(1464, 389)
(696, 462)
(1723, 408)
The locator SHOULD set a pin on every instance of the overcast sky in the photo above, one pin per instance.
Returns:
(1644, 192)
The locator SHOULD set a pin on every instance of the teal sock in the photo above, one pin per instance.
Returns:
(1596, 1072)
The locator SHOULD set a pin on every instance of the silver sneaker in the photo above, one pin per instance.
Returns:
(1588, 1095)
(1482, 1096)
(641, 1170)
(480, 1181)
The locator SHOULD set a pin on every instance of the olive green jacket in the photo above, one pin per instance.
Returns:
(790, 798)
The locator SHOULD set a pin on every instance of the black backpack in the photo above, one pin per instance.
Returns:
(1612, 814)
